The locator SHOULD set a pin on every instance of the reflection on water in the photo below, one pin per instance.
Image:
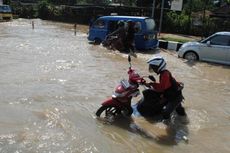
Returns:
(52, 82)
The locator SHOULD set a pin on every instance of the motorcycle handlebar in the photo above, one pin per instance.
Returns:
(141, 81)
(136, 78)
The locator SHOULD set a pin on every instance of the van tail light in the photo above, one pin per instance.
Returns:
(146, 37)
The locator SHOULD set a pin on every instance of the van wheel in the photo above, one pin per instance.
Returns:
(97, 41)
(191, 56)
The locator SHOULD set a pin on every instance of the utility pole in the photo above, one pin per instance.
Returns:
(161, 17)
(153, 9)
(204, 16)
(189, 16)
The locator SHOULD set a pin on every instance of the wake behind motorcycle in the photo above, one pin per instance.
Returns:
(150, 105)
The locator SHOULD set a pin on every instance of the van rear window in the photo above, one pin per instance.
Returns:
(150, 24)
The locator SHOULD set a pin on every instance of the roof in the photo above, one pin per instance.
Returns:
(222, 12)
(223, 33)
(123, 17)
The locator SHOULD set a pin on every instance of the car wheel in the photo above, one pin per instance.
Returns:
(97, 41)
(191, 56)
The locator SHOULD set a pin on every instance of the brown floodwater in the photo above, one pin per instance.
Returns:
(53, 81)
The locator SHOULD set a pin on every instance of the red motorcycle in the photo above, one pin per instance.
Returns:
(120, 102)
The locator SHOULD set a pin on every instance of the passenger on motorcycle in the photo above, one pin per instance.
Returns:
(121, 34)
(170, 89)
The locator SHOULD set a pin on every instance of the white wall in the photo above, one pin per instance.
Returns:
(1, 2)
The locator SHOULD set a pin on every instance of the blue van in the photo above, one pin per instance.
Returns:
(145, 37)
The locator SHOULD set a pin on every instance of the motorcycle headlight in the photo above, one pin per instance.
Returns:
(117, 95)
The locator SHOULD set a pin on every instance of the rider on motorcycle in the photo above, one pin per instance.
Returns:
(168, 87)
(120, 32)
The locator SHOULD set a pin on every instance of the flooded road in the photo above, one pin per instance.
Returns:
(52, 82)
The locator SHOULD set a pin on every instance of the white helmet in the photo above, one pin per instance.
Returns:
(156, 64)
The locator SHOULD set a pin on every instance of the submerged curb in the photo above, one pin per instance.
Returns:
(170, 45)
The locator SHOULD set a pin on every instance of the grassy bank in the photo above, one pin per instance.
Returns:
(178, 38)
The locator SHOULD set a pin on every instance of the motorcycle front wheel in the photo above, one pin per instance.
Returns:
(108, 112)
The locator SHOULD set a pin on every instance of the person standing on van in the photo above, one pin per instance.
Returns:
(130, 34)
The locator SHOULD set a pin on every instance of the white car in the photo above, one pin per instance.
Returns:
(215, 48)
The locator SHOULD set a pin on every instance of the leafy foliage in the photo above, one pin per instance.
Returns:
(178, 22)
(173, 21)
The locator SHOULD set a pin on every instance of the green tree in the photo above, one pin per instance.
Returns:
(43, 9)
(7, 2)
(227, 1)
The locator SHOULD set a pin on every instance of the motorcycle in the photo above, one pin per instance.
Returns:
(120, 101)
(150, 105)
(113, 43)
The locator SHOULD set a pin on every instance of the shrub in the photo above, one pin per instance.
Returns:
(176, 23)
